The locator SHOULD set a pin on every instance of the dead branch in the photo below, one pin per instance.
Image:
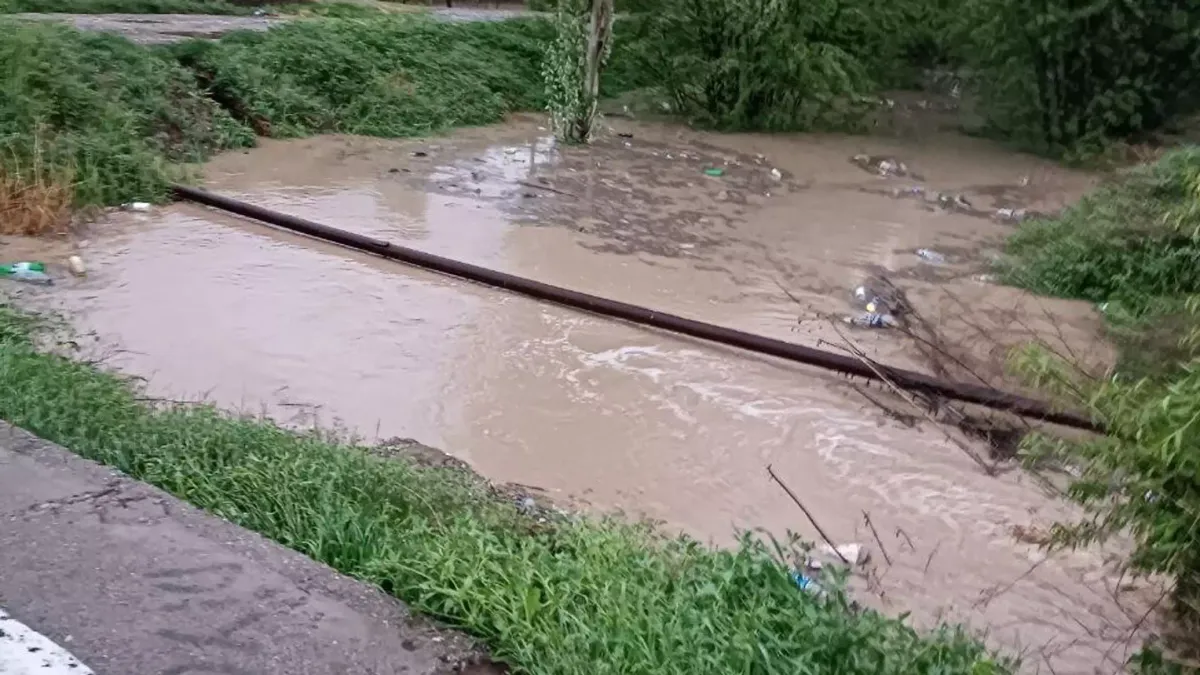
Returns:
(871, 526)
(807, 514)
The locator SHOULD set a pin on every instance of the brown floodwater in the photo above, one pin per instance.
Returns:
(614, 416)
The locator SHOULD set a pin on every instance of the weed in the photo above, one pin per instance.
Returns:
(34, 199)
(584, 597)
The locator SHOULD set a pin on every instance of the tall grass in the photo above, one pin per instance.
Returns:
(116, 116)
(35, 199)
(585, 597)
(123, 118)
(386, 76)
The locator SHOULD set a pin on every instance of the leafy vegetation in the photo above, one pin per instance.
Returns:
(753, 64)
(573, 64)
(1134, 245)
(576, 598)
(1063, 76)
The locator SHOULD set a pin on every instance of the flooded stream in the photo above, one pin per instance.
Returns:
(614, 416)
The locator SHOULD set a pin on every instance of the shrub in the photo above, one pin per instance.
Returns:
(1065, 76)
(753, 64)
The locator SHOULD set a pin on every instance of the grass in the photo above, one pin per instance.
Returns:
(385, 76)
(34, 199)
(1132, 245)
(126, 6)
(123, 119)
(117, 117)
(582, 597)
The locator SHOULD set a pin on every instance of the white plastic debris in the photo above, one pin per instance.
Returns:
(855, 554)
(140, 207)
(75, 264)
(929, 255)
(776, 174)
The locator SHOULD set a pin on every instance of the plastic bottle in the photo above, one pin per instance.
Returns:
(872, 320)
(30, 272)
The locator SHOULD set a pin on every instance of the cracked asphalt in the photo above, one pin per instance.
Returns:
(135, 581)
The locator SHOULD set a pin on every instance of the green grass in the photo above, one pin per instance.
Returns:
(1134, 245)
(385, 76)
(113, 117)
(120, 119)
(125, 6)
(586, 597)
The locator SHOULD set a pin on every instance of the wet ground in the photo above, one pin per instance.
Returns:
(612, 416)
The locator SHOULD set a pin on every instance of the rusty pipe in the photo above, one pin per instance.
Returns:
(842, 363)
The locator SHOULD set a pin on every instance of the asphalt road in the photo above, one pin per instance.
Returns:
(121, 579)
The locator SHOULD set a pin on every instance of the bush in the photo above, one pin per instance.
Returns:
(754, 64)
(109, 114)
(1065, 76)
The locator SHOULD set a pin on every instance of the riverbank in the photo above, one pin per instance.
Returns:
(580, 596)
(1133, 247)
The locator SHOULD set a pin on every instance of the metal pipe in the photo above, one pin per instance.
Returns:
(842, 363)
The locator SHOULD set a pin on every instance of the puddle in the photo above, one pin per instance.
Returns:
(609, 414)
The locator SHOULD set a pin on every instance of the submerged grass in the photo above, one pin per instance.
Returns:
(587, 597)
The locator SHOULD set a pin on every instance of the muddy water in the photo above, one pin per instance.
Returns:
(609, 414)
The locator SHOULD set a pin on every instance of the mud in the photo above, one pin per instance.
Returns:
(620, 417)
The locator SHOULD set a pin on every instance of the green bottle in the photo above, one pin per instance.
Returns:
(33, 272)
(18, 267)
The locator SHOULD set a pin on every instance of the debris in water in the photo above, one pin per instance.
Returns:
(931, 256)
(776, 174)
(723, 195)
(75, 264)
(1016, 215)
(29, 272)
(140, 207)
(883, 166)
(624, 134)
(855, 554)
(984, 278)
(954, 202)
(420, 153)
(714, 172)
(871, 319)
(805, 582)
(910, 191)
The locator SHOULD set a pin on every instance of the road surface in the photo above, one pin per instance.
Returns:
(100, 573)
